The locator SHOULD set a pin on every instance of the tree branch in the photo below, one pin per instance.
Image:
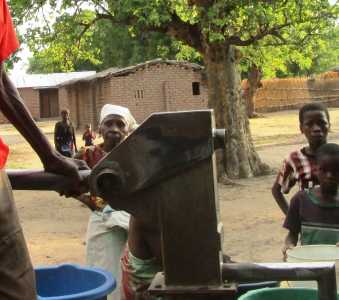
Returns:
(275, 31)
(263, 31)
(87, 26)
(180, 30)
(204, 3)
(176, 28)
(296, 43)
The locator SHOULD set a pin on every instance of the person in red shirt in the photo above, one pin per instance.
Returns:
(16, 273)
(88, 136)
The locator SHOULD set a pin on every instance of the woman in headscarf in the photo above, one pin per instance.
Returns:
(107, 228)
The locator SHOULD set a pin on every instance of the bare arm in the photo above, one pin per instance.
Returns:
(279, 198)
(16, 112)
(291, 241)
(86, 200)
(56, 142)
(144, 240)
(74, 139)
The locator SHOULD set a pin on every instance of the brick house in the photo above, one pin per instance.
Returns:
(153, 86)
(41, 94)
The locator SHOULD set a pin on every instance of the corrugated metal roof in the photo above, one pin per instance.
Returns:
(132, 69)
(101, 74)
(47, 80)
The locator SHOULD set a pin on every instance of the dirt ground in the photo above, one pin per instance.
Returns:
(55, 227)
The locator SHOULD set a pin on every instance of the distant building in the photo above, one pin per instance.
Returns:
(153, 86)
(41, 93)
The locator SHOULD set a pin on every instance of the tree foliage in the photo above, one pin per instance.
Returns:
(213, 28)
(302, 57)
(239, 23)
(285, 38)
(101, 46)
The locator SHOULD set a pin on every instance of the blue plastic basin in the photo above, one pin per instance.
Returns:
(70, 282)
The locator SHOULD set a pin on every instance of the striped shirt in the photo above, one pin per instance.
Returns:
(298, 167)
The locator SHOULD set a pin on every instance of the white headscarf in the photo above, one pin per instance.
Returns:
(110, 109)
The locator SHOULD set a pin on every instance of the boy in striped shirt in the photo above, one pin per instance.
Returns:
(299, 167)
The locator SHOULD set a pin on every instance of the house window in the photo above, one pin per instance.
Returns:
(196, 88)
(139, 94)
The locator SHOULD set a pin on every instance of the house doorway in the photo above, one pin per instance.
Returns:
(49, 103)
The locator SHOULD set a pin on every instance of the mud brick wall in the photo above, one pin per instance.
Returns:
(150, 89)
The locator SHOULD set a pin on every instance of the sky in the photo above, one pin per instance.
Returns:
(22, 65)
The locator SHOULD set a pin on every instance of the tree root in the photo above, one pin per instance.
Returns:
(256, 115)
(264, 169)
(225, 180)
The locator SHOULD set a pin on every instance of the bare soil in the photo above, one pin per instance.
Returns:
(55, 227)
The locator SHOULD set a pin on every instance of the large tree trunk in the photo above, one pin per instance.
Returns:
(253, 83)
(240, 159)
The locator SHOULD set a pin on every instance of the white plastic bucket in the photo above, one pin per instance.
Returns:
(313, 253)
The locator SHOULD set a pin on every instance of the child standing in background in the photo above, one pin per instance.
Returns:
(299, 167)
(88, 136)
(313, 216)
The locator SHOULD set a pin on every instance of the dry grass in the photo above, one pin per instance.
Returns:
(21, 154)
(271, 129)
